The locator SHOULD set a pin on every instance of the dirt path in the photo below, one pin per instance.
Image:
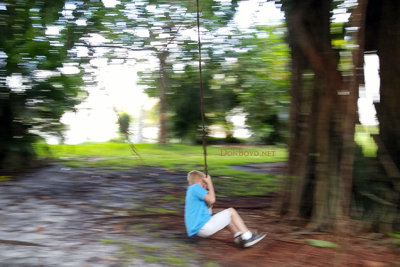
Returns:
(58, 216)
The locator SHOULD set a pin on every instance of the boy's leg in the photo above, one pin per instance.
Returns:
(233, 229)
(237, 222)
(247, 238)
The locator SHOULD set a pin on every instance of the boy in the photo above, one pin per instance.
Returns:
(198, 218)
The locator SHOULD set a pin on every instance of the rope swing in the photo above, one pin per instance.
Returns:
(204, 141)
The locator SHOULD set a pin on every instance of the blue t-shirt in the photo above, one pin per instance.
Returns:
(196, 210)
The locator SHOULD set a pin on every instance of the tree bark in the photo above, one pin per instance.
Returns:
(162, 136)
(350, 118)
(389, 61)
(316, 140)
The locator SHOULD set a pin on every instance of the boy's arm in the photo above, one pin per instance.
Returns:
(210, 197)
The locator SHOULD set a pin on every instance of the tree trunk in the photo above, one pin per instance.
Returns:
(319, 137)
(5, 130)
(389, 61)
(162, 136)
(350, 118)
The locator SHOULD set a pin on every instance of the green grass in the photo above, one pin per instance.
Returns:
(176, 157)
(169, 156)
(152, 259)
(175, 261)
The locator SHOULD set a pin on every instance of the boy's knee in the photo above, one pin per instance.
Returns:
(232, 211)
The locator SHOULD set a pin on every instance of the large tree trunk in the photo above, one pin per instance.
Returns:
(388, 45)
(389, 56)
(321, 133)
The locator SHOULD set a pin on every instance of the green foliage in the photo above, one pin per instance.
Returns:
(178, 69)
(249, 72)
(35, 91)
(262, 80)
(184, 102)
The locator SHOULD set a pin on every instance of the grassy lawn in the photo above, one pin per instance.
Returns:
(189, 157)
(176, 157)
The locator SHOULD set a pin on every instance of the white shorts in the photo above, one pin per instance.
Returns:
(217, 222)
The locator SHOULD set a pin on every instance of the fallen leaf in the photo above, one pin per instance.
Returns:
(40, 229)
(322, 243)
(45, 197)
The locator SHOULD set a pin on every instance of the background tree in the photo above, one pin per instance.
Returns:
(324, 183)
(168, 34)
(184, 107)
(34, 89)
(321, 136)
(262, 83)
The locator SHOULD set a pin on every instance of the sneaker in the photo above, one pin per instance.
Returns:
(253, 240)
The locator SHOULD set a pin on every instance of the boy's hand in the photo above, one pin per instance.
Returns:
(210, 197)
(207, 179)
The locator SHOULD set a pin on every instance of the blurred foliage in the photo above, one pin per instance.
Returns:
(124, 121)
(262, 81)
(172, 40)
(35, 88)
(238, 70)
(47, 51)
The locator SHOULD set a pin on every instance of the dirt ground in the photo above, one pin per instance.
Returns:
(57, 216)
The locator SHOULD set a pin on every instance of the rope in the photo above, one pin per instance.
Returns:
(204, 141)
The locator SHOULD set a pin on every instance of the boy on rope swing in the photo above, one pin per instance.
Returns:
(198, 218)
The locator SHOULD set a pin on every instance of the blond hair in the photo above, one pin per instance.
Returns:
(194, 176)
